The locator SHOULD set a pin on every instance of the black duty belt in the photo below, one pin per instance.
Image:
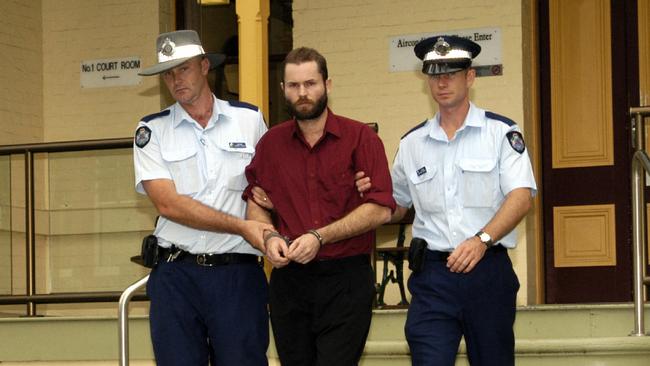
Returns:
(208, 260)
(435, 255)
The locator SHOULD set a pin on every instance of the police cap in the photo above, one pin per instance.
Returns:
(176, 47)
(444, 54)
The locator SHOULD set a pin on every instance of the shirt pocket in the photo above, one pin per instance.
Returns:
(236, 159)
(184, 168)
(336, 186)
(428, 187)
(479, 182)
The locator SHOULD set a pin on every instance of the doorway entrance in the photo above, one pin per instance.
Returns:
(589, 78)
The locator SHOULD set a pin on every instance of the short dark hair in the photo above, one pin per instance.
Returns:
(305, 54)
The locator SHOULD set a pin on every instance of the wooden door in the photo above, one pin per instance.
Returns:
(589, 66)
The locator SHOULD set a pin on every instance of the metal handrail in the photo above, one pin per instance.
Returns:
(123, 319)
(66, 146)
(28, 150)
(66, 298)
(640, 165)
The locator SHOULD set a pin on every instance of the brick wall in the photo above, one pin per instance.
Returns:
(21, 98)
(78, 30)
(354, 36)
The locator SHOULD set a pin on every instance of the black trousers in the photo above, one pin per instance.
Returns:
(321, 311)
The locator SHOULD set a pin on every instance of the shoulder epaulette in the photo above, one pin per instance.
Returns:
(501, 118)
(238, 104)
(415, 128)
(155, 115)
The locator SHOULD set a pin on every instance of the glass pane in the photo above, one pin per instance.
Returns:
(5, 225)
(96, 221)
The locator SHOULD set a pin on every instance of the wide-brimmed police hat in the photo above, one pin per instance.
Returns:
(174, 48)
(444, 54)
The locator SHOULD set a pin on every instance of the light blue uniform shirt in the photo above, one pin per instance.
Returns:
(204, 164)
(457, 186)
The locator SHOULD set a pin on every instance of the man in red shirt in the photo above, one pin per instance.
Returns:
(322, 287)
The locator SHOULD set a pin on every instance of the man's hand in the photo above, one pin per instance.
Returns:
(465, 257)
(261, 198)
(253, 232)
(304, 248)
(276, 252)
(362, 182)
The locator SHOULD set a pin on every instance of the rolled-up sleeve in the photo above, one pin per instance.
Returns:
(401, 191)
(371, 158)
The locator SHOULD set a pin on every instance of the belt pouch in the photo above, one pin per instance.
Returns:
(149, 251)
(416, 254)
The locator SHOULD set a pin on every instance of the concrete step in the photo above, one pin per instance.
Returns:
(573, 335)
(545, 335)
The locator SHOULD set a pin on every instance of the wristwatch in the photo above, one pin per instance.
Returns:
(485, 238)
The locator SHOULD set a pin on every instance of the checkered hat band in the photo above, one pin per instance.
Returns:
(180, 52)
(452, 54)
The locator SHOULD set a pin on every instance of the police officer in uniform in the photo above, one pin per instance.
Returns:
(468, 175)
(208, 291)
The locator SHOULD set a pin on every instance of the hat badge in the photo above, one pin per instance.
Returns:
(441, 47)
(167, 48)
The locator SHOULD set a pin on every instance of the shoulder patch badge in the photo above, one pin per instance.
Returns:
(142, 136)
(516, 141)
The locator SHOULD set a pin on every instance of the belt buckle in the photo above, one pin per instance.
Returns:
(201, 260)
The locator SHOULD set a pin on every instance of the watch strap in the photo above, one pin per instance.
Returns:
(485, 238)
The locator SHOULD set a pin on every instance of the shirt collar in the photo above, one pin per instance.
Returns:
(472, 119)
(219, 108)
(332, 126)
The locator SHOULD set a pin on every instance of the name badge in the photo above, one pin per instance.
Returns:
(422, 171)
(237, 145)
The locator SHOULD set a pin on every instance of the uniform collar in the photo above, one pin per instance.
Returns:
(474, 118)
(219, 108)
(332, 126)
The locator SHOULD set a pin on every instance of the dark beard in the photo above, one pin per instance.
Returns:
(316, 110)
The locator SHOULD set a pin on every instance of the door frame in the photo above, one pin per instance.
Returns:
(532, 129)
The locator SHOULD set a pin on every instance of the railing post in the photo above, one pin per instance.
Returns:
(123, 319)
(640, 165)
(638, 217)
(30, 233)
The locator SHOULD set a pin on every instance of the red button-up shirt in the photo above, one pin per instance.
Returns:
(311, 187)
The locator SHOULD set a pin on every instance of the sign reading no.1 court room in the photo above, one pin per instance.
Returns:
(110, 72)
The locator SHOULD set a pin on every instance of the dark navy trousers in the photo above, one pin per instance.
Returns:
(199, 313)
(479, 305)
